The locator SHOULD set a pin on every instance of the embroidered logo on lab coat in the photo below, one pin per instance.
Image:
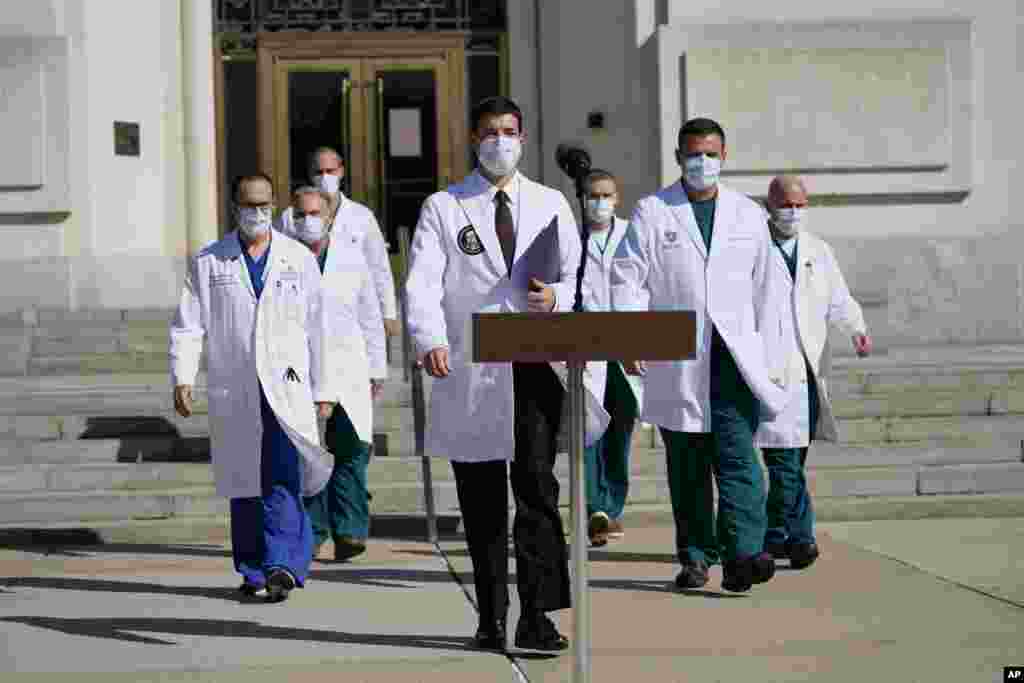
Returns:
(469, 241)
(671, 236)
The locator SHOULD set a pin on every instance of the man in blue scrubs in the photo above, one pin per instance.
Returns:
(271, 536)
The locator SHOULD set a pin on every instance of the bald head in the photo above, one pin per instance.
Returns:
(787, 205)
(787, 191)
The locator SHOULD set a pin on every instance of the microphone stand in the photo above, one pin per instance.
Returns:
(577, 473)
(577, 306)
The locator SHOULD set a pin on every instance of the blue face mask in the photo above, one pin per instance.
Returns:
(601, 210)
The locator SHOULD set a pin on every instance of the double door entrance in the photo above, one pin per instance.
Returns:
(392, 104)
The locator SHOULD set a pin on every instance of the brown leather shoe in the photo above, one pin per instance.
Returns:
(616, 530)
(324, 552)
(597, 529)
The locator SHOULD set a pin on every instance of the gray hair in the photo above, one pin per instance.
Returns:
(305, 190)
(314, 156)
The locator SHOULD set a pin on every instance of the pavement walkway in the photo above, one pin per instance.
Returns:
(922, 600)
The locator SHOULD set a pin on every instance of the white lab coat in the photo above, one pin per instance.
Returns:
(597, 296)
(218, 310)
(355, 223)
(471, 410)
(355, 342)
(662, 263)
(818, 299)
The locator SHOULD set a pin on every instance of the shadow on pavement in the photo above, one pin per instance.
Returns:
(122, 628)
(390, 578)
(106, 586)
(657, 587)
(92, 549)
(594, 555)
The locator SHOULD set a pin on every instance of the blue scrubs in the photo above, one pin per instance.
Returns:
(272, 531)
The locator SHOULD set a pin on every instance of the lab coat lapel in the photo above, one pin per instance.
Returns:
(234, 253)
(805, 266)
(474, 204)
(529, 227)
(277, 260)
(679, 205)
(722, 224)
(618, 231)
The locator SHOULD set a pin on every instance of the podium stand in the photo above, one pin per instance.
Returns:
(575, 338)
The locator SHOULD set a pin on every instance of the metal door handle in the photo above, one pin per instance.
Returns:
(382, 160)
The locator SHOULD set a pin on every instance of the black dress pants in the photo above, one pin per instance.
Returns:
(542, 558)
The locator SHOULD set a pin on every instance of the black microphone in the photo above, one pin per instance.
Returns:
(573, 160)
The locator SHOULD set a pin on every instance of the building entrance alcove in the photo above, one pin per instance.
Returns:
(387, 83)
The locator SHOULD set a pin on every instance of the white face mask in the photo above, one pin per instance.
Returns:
(701, 172)
(601, 210)
(788, 221)
(500, 154)
(328, 183)
(254, 221)
(309, 229)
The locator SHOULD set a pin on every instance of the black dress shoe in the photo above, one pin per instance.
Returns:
(776, 550)
(251, 590)
(694, 574)
(738, 575)
(537, 632)
(803, 555)
(491, 636)
(347, 547)
(280, 583)
(762, 568)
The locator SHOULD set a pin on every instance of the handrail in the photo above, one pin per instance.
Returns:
(413, 371)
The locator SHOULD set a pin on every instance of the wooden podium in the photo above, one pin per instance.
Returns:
(576, 338)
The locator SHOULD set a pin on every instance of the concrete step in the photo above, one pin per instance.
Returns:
(146, 493)
(152, 449)
(151, 534)
(87, 506)
(102, 476)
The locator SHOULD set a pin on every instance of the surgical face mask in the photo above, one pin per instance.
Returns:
(309, 229)
(500, 154)
(328, 183)
(788, 221)
(701, 172)
(601, 210)
(254, 221)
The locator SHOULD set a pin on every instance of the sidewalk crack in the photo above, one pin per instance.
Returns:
(520, 675)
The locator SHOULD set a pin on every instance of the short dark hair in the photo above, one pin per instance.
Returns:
(700, 128)
(236, 184)
(499, 105)
(598, 174)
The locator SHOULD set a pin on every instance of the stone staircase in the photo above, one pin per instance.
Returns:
(88, 434)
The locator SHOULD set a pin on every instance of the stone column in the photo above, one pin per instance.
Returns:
(200, 131)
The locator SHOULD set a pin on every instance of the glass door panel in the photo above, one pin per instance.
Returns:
(410, 154)
(318, 104)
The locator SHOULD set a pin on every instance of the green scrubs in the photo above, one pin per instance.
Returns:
(727, 453)
(343, 507)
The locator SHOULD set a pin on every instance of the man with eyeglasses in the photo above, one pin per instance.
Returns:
(254, 300)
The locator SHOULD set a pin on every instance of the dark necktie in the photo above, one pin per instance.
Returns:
(505, 228)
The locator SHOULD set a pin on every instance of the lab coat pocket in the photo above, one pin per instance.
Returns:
(292, 300)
